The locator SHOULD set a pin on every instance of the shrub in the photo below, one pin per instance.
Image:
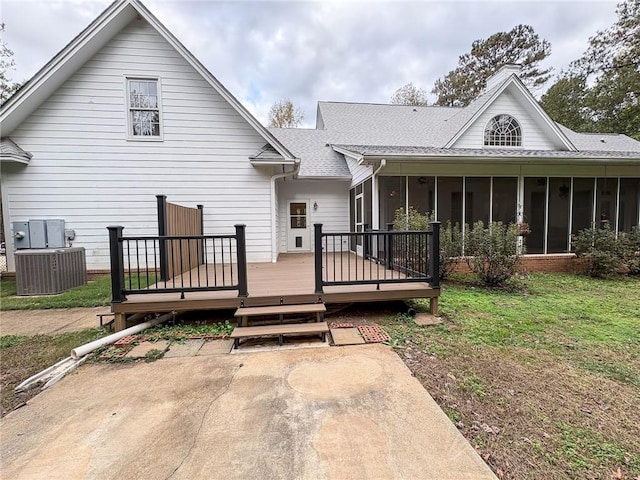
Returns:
(450, 236)
(492, 251)
(630, 250)
(601, 250)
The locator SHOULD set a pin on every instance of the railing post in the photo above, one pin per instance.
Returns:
(317, 256)
(389, 246)
(201, 242)
(241, 242)
(434, 254)
(162, 232)
(117, 263)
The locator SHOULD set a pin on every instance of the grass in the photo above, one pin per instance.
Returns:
(24, 356)
(96, 293)
(543, 378)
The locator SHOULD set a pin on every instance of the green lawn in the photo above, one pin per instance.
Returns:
(95, 293)
(543, 378)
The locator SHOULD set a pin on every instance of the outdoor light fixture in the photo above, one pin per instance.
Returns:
(315, 205)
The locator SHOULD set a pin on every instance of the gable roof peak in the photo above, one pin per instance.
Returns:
(502, 74)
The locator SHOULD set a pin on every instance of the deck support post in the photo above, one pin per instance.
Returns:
(433, 306)
(242, 260)
(120, 321)
(117, 263)
(317, 256)
(162, 232)
(434, 256)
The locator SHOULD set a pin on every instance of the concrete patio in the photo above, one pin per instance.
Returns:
(328, 413)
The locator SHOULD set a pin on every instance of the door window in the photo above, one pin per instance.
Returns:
(298, 215)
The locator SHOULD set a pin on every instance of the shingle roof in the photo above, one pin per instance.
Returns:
(401, 130)
(317, 158)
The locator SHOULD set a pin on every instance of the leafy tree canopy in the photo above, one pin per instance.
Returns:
(409, 94)
(601, 90)
(521, 45)
(284, 114)
(7, 63)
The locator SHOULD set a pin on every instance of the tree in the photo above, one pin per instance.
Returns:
(409, 94)
(7, 63)
(521, 45)
(565, 102)
(284, 114)
(604, 83)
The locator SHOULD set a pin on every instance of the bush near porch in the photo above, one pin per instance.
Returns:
(543, 377)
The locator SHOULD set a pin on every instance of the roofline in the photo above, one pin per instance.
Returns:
(513, 79)
(389, 104)
(358, 157)
(325, 177)
(95, 27)
(13, 158)
(456, 157)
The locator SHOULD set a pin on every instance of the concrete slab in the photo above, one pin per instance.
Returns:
(49, 322)
(291, 343)
(426, 319)
(216, 347)
(140, 350)
(325, 413)
(187, 349)
(346, 336)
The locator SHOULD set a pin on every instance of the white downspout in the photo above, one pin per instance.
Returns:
(274, 226)
(375, 204)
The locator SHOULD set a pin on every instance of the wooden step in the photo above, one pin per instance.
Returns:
(301, 309)
(280, 330)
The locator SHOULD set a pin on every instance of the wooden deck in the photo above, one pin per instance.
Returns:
(289, 281)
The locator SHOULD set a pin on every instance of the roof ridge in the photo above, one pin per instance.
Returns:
(388, 104)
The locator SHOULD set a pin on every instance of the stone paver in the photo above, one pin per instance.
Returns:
(426, 319)
(140, 350)
(187, 349)
(216, 347)
(323, 413)
(346, 336)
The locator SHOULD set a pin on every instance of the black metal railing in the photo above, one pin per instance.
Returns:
(164, 264)
(376, 257)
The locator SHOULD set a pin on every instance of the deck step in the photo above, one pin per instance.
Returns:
(281, 309)
(280, 330)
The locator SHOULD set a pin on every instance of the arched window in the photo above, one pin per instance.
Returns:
(503, 131)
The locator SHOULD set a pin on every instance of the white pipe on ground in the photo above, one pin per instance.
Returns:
(109, 339)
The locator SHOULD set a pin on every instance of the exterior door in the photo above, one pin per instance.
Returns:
(298, 228)
(359, 224)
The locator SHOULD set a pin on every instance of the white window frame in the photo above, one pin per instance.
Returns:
(490, 122)
(130, 135)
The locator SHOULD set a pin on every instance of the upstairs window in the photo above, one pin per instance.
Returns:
(144, 108)
(503, 131)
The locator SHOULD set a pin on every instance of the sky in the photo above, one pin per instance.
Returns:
(334, 50)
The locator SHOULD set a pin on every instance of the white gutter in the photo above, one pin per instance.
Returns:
(274, 226)
(375, 205)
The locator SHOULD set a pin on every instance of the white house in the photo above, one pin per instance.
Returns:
(125, 112)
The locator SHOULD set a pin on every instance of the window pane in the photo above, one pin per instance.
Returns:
(352, 215)
(153, 88)
(298, 209)
(392, 197)
(505, 192)
(144, 89)
(629, 203)
(134, 87)
(558, 236)
(477, 191)
(582, 204)
(535, 192)
(421, 194)
(606, 194)
(450, 199)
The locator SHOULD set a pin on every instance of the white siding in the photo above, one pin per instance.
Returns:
(359, 173)
(85, 171)
(533, 135)
(332, 197)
